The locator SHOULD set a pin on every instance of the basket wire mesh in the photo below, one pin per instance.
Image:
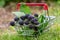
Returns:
(29, 33)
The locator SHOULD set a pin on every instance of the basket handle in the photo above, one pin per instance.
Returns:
(45, 6)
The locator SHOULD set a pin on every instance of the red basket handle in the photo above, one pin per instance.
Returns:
(45, 6)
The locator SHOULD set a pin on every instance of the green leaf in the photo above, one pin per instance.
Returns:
(25, 9)
(41, 19)
(12, 28)
(18, 14)
(43, 24)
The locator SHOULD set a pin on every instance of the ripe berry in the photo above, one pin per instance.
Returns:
(26, 16)
(36, 28)
(12, 23)
(31, 26)
(36, 15)
(22, 17)
(21, 22)
(30, 17)
(16, 19)
(34, 19)
(36, 23)
(26, 22)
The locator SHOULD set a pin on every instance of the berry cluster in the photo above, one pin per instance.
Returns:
(28, 19)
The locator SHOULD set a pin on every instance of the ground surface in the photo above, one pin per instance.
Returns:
(5, 18)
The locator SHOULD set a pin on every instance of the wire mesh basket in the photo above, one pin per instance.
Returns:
(47, 21)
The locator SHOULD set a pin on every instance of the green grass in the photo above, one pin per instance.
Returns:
(52, 34)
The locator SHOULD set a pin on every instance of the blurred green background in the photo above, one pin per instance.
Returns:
(7, 2)
(54, 9)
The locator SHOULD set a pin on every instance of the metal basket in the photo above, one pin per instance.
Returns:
(24, 31)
